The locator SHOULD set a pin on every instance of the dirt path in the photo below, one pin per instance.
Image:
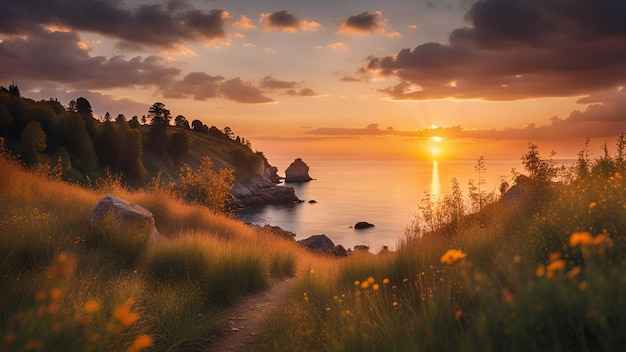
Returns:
(243, 322)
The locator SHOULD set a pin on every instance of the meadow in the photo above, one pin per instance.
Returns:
(540, 268)
(70, 286)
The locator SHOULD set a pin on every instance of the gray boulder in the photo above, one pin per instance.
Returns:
(298, 171)
(261, 190)
(128, 216)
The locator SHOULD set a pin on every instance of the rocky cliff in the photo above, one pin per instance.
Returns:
(298, 171)
(262, 188)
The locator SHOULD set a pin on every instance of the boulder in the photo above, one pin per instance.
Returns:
(361, 248)
(298, 171)
(321, 243)
(363, 225)
(276, 231)
(261, 190)
(128, 216)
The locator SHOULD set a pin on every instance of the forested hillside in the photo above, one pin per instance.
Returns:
(82, 148)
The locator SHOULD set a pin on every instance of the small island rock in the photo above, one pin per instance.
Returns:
(298, 171)
(363, 225)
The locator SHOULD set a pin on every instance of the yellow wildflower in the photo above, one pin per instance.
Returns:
(365, 284)
(556, 265)
(357, 283)
(592, 205)
(370, 280)
(385, 281)
(375, 287)
(453, 255)
(140, 343)
(541, 270)
(574, 272)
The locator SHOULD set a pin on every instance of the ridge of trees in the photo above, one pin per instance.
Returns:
(86, 148)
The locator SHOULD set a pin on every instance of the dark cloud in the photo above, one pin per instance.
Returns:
(282, 20)
(160, 25)
(242, 92)
(196, 85)
(350, 79)
(58, 57)
(268, 82)
(516, 50)
(362, 23)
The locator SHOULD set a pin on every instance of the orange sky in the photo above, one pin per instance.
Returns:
(349, 79)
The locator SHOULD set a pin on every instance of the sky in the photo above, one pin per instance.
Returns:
(398, 79)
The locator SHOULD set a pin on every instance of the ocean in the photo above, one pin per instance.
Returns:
(386, 193)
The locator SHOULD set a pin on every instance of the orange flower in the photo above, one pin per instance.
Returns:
(140, 343)
(385, 281)
(124, 315)
(453, 255)
(580, 239)
(92, 306)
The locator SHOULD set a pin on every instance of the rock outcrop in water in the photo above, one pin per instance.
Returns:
(298, 171)
(321, 243)
(262, 188)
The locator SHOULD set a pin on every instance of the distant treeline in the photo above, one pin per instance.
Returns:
(86, 148)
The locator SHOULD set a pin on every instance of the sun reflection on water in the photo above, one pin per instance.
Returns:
(435, 185)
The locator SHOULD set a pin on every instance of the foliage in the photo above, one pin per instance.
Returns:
(205, 186)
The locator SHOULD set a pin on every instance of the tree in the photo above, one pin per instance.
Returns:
(14, 90)
(620, 148)
(83, 108)
(134, 122)
(120, 118)
(540, 171)
(107, 117)
(159, 119)
(34, 141)
(198, 126)
(181, 121)
(159, 115)
(71, 107)
(179, 146)
(229, 132)
(583, 163)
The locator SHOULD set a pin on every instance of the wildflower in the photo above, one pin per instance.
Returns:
(140, 343)
(55, 293)
(357, 283)
(394, 304)
(8, 338)
(582, 285)
(375, 287)
(52, 308)
(328, 309)
(92, 306)
(556, 265)
(81, 318)
(517, 259)
(573, 273)
(40, 296)
(458, 315)
(365, 284)
(541, 270)
(385, 281)
(33, 345)
(453, 255)
(592, 205)
(124, 315)
(370, 280)
(580, 239)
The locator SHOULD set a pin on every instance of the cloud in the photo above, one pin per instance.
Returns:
(196, 85)
(244, 23)
(242, 92)
(394, 34)
(149, 25)
(339, 46)
(350, 79)
(363, 23)
(516, 50)
(59, 57)
(268, 82)
(304, 92)
(602, 120)
(285, 21)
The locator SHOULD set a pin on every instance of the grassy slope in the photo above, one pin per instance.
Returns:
(69, 286)
(528, 277)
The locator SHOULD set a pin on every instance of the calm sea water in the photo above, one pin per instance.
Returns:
(384, 193)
